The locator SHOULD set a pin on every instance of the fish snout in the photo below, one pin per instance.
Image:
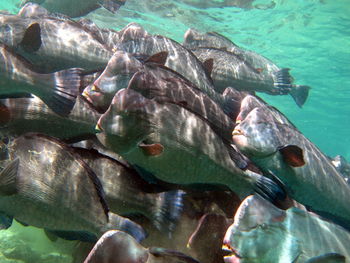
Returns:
(231, 255)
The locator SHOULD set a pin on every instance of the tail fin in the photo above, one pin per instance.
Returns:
(124, 224)
(67, 86)
(167, 210)
(300, 94)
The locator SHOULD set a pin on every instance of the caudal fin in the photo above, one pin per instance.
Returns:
(167, 210)
(124, 224)
(67, 86)
(300, 93)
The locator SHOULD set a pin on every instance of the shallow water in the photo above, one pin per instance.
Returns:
(310, 37)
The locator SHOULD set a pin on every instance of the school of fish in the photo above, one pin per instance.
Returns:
(149, 150)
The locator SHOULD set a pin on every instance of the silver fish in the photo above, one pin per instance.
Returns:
(295, 236)
(53, 43)
(174, 145)
(77, 8)
(125, 191)
(119, 247)
(46, 185)
(271, 141)
(58, 90)
(230, 69)
(22, 115)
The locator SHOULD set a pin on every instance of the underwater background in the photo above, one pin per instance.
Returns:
(312, 37)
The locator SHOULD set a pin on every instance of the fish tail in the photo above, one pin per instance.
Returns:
(67, 87)
(300, 93)
(167, 210)
(124, 224)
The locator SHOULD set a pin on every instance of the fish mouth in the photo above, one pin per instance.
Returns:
(232, 256)
(85, 94)
(237, 132)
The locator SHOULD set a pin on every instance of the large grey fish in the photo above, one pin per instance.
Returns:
(230, 69)
(58, 90)
(125, 191)
(179, 58)
(271, 141)
(48, 186)
(22, 115)
(119, 247)
(77, 8)
(175, 145)
(263, 233)
(53, 43)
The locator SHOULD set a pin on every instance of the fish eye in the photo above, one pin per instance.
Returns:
(263, 226)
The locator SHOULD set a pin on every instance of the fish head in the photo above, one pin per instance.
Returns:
(127, 122)
(117, 246)
(248, 103)
(119, 70)
(12, 29)
(257, 134)
(257, 227)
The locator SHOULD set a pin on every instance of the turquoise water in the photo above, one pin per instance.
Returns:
(312, 37)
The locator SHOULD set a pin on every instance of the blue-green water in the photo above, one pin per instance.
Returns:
(312, 37)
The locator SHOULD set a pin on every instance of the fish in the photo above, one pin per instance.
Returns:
(119, 247)
(179, 58)
(53, 43)
(174, 145)
(22, 115)
(342, 166)
(296, 235)
(126, 192)
(230, 69)
(77, 9)
(58, 90)
(47, 186)
(276, 146)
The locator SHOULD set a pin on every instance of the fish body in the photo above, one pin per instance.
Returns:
(296, 235)
(277, 80)
(179, 58)
(58, 90)
(77, 8)
(342, 166)
(125, 191)
(182, 151)
(22, 115)
(53, 43)
(47, 186)
(119, 247)
(271, 141)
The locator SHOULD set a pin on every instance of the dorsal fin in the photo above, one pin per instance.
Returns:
(31, 41)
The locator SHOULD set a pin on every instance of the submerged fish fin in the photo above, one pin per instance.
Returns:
(8, 178)
(31, 41)
(163, 252)
(5, 114)
(68, 84)
(51, 236)
(300, 93)
(168, 209)
(153, 149)
(208, 66)
(124, 224)
(269, 190)
(328, 258)
(292, 155)
(5, 221)
(73, 235)
(112, 5)
(159, 58)
(283, 77)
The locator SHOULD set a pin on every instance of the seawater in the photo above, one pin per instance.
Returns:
(312, 37)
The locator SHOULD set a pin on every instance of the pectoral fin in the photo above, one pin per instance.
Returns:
(8, 178)
(153, 149)
(292, 155)
(31, 41)
(159, 58)
(208, 66)
(328, 258)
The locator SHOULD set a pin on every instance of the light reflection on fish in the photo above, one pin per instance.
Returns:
(262, 233)
(271, 141)
(48, 186)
